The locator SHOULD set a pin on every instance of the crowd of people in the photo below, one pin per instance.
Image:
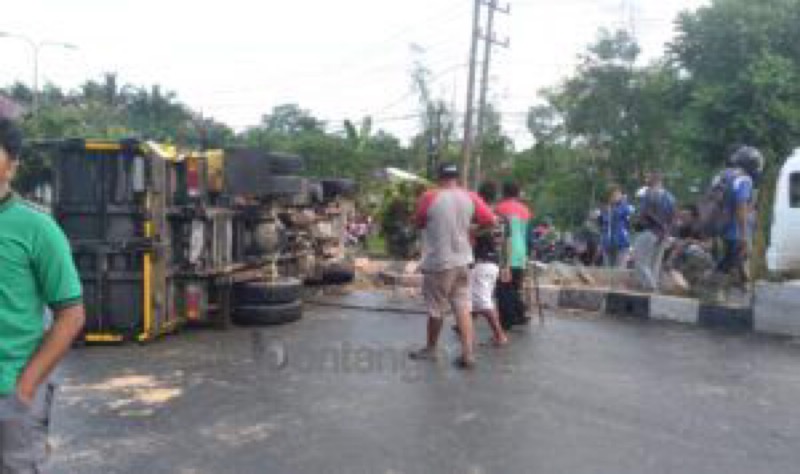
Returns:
(476, 246)
(708, 241)
(475, 249)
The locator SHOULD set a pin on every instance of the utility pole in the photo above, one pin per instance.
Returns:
(489, 41)
(628, 17)
(466, 145)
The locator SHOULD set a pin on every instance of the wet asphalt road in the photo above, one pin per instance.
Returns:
(334, 393)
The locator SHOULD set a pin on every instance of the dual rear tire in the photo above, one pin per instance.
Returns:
(262, 303)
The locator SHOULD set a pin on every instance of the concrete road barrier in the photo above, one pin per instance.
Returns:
(586, 299)
(735, 318)
(628, 304)
(549, 294)
(777, 308)
(670, 308)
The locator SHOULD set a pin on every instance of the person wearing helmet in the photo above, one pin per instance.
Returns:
(737, 184)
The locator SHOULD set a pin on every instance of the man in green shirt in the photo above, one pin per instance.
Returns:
(510, 302)
(36, 271)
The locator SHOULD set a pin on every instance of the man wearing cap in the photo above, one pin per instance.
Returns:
(444, 215)
(36, 271)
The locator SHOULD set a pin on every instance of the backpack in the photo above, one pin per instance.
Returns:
(714, 207)
(656, 211)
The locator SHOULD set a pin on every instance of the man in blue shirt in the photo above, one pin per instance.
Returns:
(737, 184)
(615, 226)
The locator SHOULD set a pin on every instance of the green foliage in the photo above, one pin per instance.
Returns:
(731, 76)
(561, 182)
(436, 141)
(395, 218)
(614, 112)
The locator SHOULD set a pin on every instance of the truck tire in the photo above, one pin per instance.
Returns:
(285, 186)
(268, 315)
(286, 164)
(335, 187)
(255, 293)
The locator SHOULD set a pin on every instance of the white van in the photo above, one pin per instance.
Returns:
(783, 254)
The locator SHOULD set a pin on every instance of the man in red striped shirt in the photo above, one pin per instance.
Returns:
(444, 215)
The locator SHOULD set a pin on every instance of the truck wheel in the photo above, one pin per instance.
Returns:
(285, 186)
(256, 293)
(335, 187)
(268, 315)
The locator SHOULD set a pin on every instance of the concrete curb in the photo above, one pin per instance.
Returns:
(775, 308)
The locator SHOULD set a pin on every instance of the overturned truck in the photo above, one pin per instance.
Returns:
(163, 238)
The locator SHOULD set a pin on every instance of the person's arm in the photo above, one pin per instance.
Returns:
(742, 224)
(423, 204)
(743, 195)
(59, 283)
(68, 323)
(483, 213)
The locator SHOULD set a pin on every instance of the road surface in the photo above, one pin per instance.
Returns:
(334, 393)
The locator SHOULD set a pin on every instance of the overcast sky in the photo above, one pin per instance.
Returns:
(235, 60)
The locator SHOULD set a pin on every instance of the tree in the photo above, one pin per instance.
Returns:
(495, 147)
(741, 61)
(435, 142)
(616, 116)
(742, 64)
(359, 138)
(290, 119)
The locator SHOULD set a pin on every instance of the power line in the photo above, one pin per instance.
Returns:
(437, 76)
(412, 92)
(343, 68)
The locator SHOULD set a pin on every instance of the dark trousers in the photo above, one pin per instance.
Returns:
(510, 304)
(733, 263)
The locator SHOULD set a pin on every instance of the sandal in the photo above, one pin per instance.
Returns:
(464, 363)
(426, 353)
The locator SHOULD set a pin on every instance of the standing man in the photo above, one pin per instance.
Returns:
(737, 187)
(509, 289)
(444, 215)
(656, 213)
(615, 225)
(36, 271)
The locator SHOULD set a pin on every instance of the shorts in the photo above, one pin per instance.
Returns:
(483, 281)
(447, 290)
(24, 431)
